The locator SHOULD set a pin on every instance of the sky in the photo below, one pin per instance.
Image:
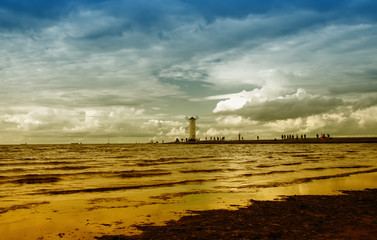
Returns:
(94, 71)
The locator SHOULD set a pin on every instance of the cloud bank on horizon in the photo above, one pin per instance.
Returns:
(132, 70)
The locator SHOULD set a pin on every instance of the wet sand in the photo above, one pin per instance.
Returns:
(351, 215)
(287, 141)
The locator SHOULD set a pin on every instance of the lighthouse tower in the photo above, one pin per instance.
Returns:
(192, 127)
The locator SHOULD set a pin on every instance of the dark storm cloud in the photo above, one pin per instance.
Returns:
(362, 87)
(239, 8)
(344, 10)
(156, 16)
(282, 109)
(365, 102)
(141, 24)
(35, 14)
(364, 81)
(21, 15)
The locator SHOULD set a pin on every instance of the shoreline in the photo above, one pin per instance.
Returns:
(246, 141)
(287, 141)
(351, 215)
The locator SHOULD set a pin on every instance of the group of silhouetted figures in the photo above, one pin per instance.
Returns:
(185, 140)
(292, 136)
(215, 138)
(206, 139)
(323, 135)
(303, 136)
(283, 137)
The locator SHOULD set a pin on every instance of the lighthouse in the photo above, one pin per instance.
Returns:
(192, 127)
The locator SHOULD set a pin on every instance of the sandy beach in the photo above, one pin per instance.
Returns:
(351, 215)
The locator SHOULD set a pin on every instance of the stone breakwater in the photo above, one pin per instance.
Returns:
(287, 141)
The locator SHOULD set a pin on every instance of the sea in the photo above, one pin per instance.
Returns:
(83, 191)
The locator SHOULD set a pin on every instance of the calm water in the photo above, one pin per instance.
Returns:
(82, 191)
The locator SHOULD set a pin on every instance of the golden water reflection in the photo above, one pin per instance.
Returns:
(81, 192)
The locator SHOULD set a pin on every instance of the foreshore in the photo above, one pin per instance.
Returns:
(286, 141)
(86, 191)
(351, 215)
